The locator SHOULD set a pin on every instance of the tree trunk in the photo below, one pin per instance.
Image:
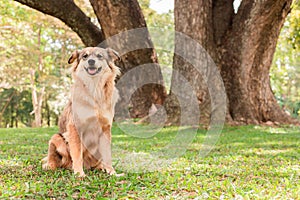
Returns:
(242, 45)
(17, 114)
(9, 101)
(194, 19)
(117, 17)
(37, 98)
(48, 113)
(247, 54)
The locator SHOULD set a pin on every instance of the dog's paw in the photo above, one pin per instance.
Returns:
(79, 174)
(48, 166)
(110, 171)
(106, 168)
(45, 166)
(45, 160)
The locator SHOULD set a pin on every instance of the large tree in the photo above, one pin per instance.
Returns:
(242, 45)
(114, 17)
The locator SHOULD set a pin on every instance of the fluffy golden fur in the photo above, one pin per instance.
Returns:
(84, 140)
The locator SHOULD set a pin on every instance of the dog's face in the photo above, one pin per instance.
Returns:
(93, 61)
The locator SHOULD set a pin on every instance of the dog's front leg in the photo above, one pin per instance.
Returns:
(105, 149)
(76, 151)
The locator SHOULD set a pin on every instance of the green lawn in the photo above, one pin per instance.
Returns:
(247, 162)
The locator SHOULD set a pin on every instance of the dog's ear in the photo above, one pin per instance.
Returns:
(113, 55)
(74, 56)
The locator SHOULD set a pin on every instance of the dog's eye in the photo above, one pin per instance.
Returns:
(85, 56)
(99, 56)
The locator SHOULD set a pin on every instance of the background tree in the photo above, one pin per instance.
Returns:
(34, 50)
(285, 68)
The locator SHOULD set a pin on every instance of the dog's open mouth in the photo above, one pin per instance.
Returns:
(93, 70)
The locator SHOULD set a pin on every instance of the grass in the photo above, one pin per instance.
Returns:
(248, 162)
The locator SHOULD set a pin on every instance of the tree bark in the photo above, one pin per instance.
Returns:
(9, 101)
(12, 118)
(68, 12)
(242, 45)
(247, 51)
(117, 17)
(37, 98)
(194, 19)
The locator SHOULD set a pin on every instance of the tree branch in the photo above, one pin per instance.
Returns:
(68, 12)
(252, 13)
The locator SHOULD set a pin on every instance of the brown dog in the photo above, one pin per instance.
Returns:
(84, 140)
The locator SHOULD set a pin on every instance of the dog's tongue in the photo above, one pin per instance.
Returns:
(92, 71)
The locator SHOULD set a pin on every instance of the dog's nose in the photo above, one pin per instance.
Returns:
(91, 62)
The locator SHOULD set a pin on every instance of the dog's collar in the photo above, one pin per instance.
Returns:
(87, 70)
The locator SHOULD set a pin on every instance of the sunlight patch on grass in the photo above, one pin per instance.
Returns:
(278, 130)
(10, 163)
(272, 152)
(137, 162)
